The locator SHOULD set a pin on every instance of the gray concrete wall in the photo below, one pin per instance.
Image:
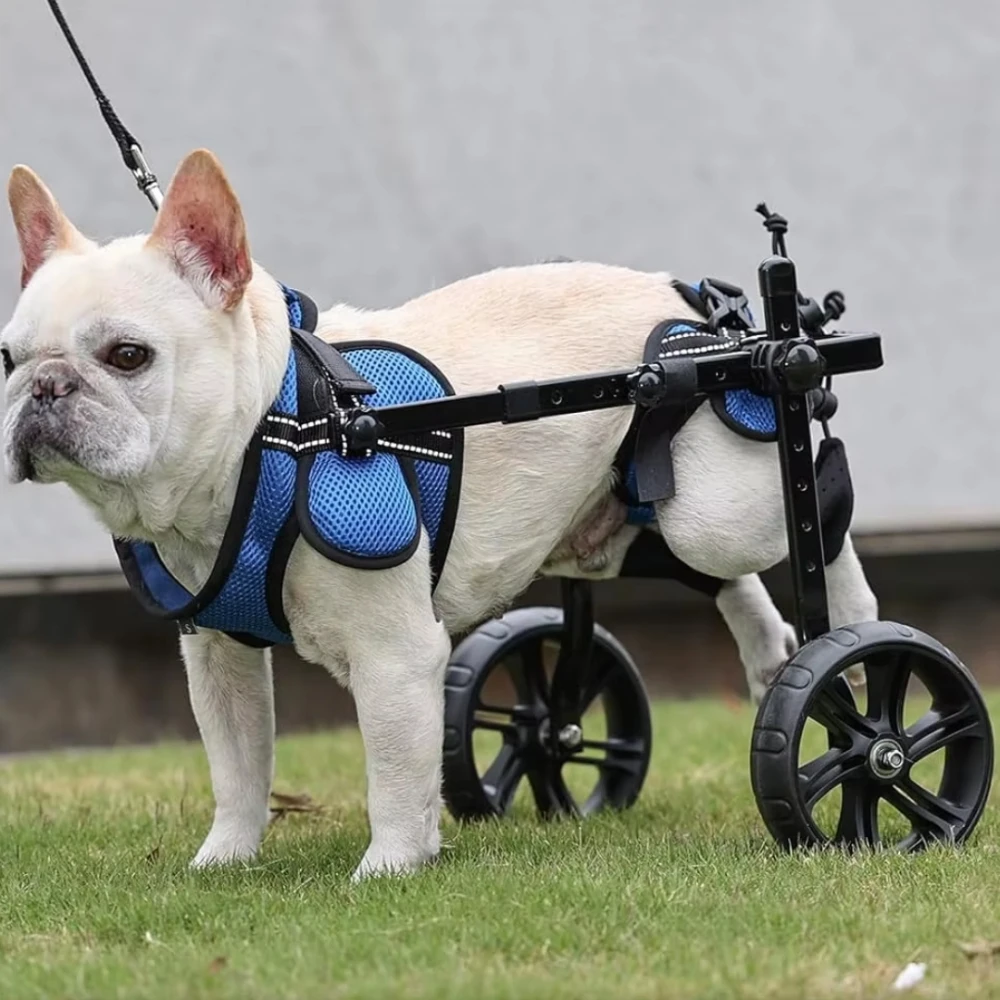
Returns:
(382, 147)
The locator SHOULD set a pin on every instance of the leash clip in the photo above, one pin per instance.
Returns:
(145, 178)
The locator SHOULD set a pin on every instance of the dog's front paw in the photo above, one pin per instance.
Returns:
(226, 847)
(379, 860)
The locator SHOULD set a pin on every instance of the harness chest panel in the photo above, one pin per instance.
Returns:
(368, 511)
(365, 511)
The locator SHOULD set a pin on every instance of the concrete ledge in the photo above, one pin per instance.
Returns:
(86, 667)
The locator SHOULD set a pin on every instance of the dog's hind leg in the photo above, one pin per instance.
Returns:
(763, 638)
(726, 520)
(233, 702)
(850, 597)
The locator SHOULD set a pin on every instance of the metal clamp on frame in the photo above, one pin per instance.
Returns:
(660, 382)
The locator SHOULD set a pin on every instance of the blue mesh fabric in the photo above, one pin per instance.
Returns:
(359, 505)
(399, 378)
(241, 605)
(362, 505)
(288, 399)
(749, 410)
(637, 513)
(294, 306)
(432, 477)
(162, 587)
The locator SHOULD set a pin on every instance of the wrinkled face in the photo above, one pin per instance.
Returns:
(90, 370)
(121, 360)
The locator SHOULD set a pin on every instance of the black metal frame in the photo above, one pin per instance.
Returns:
(791, 357)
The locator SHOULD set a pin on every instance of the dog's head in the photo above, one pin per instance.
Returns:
(129, 364)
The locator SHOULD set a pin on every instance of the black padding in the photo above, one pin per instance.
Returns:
(246, 639)
(690, 296)
(836, 495)
(654, 467)
(694, 334)
(650, 558)
(345, 379)
(310, 314)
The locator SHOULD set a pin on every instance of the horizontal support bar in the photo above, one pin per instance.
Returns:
(521, 401)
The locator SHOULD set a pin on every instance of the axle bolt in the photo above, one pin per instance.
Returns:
(570, 736)
(886, 758)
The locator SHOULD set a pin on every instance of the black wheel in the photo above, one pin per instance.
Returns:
(914, 768)
(499, 685)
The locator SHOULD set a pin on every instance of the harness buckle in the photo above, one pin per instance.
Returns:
(359, 434)
(727, 305)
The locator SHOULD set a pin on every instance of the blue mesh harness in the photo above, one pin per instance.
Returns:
(747, 413)
(298, 479)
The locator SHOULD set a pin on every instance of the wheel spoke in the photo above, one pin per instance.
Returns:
(551, 794)
(603, 666)
(494, 725)
(834, 709)
(503, 776)
(931, 815)
(624, 765)
(623, 748)
(508, 710)
(886, 677)
(858, 812)
(527, 670)
(820, 776)
(936, 729)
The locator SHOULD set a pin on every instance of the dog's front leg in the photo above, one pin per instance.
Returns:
(398, 688)
(233, 702)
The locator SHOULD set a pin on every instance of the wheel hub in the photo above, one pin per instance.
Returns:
(568, 738)
(886, 758)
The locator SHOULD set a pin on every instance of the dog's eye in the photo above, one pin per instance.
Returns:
(127, 357)
(8, 362)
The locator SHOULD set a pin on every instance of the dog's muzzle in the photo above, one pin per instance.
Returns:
(41, 422)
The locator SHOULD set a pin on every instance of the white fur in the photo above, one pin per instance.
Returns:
(233, 701)
(526, 488)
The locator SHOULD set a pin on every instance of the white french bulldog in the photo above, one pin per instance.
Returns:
(138, 371)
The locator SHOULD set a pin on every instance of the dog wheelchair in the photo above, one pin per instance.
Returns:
(869, 753)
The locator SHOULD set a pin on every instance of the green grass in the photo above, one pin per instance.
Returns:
(683, 896)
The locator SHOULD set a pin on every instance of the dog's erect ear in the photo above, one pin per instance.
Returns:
(200, 227)
(42, 229)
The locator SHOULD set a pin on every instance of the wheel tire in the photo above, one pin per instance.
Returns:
(871, 755)
(514, 643)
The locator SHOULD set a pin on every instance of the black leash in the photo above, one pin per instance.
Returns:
(127, 143)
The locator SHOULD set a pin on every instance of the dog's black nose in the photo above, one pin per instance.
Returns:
(53, 380)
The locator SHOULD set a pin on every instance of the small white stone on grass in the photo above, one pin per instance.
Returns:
(910, 976)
